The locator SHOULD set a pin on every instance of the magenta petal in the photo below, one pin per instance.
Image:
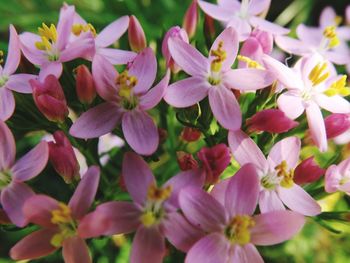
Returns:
(148, 246)
(317, 126)
(202, 210)
(287, 150)
(219, 190)
(251, 254)
(242, 192)
(13, 198)
(112, 32)
(212, 248)
(85, 193)
(31, 164)
(7, 147)
(110, 218)
(270, 201)
(7, 104)
(96, 121)
(117, 56)
(52, 68)
(276, 227)
(225, 108)
(298, 200)
(14, 53)
(75, 250)
(140, 132)
(268, 26)
(35, 245)
(137, 177)
(20, 83)
(180, 232)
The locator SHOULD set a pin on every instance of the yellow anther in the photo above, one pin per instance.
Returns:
(126, 84)
(338, 88)
(77, 29)
(158, 194)
(48, 37)
(250, 62)
(62, 215)
(338, 20)
(1, 56)
(238, 230)
(331, 34)
(220, 56)
(58, 238)
(148, 219)
(317, 74)
(282, 171)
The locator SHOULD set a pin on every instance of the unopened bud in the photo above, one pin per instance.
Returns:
(136, 35)
(190, 134)
(85, 86)
(186, 161)
(336, 124)
(191, 19)
(307, 171)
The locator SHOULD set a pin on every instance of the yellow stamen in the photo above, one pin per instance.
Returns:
(158, 194)
(77, 29)
(1, 56)
(126, 84)
(282, 171)
(331, 34)
(317, 74)
(338, 88)
(62, 215)
(238, 230)
(250, 62)
(220, 56)
(48, 37)
(148, 219)
(338, 20)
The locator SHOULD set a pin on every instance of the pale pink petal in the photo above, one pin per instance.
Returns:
(248, 79)
(7, 104)
(137, 176)
(252, 254)
(219, 190)
(242, 192)
(188, 58)
(245, 150)
(155, 95)
(180, 232)
(287, 150)
(52, 68)
(212, 248)
(229, 4)
(117, 56)
(339, 58)
(82, 47)
(110, 218)
(251, 48)
(269, 201)
(298, 200)
(258, 6)
(75, 250)
(112, 32)
(7, 147)
(317, 126)
(268, 26)
(13, 198)
(242, 27)
(293, 46)
(334, 104)
(291, 104)
(310, 35)
(327, 17)
(64, 26)
(14, 52)
(186, 92)
(276, 227)
(144, 68)
(32, 163)
(140, 132)
(20, 83)
(35, 245)
(34, 55)
(85, 193)
(217, 12)
(225, 107)
(343, 32)
(202, 210)
(148, 246)
(97, 121)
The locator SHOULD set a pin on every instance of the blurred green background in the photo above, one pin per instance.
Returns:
(313, 244)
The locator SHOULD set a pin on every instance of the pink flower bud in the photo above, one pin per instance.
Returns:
(4, 220)
(214, 160)
(186, 161)
(209, 27)
(271, 120)
(308, 171)
(175, 32)
(336, 124)
(265, 40)
(136, 35)
(191, 19)
(190, 134)
(85, 84)
(50, 99)
(63, 158)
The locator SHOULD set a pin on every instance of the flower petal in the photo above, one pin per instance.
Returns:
(117, 56)
(242, 27)
(52, 68)
(218, 12)
(270, 201)
(252, 254)
(7, 104)
(317, 126)
(20, 83)
(219, 190)
(112, 32)
(256, 7)
(334, 104)
(83, 46)
(291, 105)
(287, 150)
(327, 16)
(268, 26)
(7, 147)
(14, 52)
(293, 46)
(309, 35)
(75, 250)
(64, 25)
(29, 50)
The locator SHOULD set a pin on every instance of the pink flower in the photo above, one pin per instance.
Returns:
(213, 77)
(337, 124)
(59, 223)
(271, 120)
(51, 47)
(128, 97)
(311, 85)
(85, 85)
(13, 191)
(307, 171)
(215, 160)
(231, 228)
(276, 173)
(243, 16)
(153, 213)
(190, 20)
(136, 35)
(8, 80)
(337, 177)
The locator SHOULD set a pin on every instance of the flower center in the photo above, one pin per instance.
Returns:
(219, 55)
(250, 62)
(331, 36)
(126, 84)
(48, 40)
(238, 230)
(285, 174)
(338, 88)
(5, 179)
(3, 80)
(154, 211)
(63, 219)
(77, 29)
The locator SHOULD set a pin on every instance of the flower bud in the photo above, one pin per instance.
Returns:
(209, 27)
(50, 99)
(191, 19)
(186, 161)
(190, 134)
(85, 85)
(136, 35)
(265, 40)
(4, 220)
(214, 160)
(63, 158)
(271, 120)
(307, 171)
(336, 124)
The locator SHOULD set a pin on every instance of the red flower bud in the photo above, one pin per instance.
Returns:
(215, 160)
(308, 171)
(191, 19)
(50, 99)
(163, 135)
(136, 35)
(336, 124)
(186, 161)
(209, 27)
(85, 84)
(271, 120)
(189, 134)
(63, 158)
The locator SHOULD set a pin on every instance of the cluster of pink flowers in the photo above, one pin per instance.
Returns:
(200, 213)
